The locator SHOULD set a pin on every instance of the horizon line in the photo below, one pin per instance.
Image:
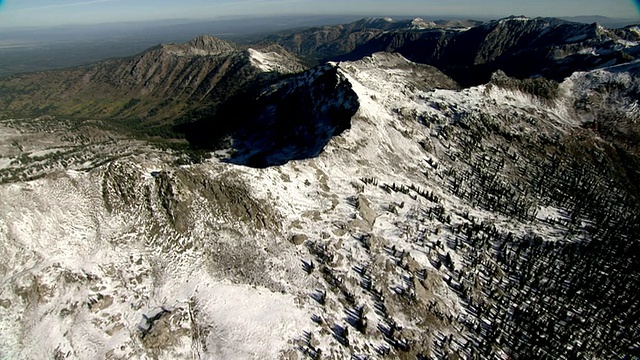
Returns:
(355, 16)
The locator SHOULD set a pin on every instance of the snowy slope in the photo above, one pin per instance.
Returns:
(359, 251)
(268, 61)
(90, 276)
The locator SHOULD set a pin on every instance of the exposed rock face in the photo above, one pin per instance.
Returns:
(365, 210)
(524, 47)
(274, 58)
(172, 195)
(521, 47)
(293, 119)
(209, 45)
(329, 42)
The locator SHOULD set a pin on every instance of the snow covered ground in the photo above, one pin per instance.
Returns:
(241, 257)
(268, 61)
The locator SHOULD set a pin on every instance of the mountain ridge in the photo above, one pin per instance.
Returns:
(170, 81)
(521, 47)
(161, 83)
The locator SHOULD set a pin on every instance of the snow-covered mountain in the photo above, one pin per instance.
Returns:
(175, 83)
(499, 220)
(520, 46)
(329, 42)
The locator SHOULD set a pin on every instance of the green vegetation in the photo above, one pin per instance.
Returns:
(141, 129)
(133, 102)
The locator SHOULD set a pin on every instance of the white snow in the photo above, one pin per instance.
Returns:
(515, 18)
(588, 51)
(627, 43)
(52, 231)
(5, 162)
(420, 24)
(80, 278)
(269, 61)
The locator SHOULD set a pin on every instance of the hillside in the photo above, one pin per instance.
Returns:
(160, 84)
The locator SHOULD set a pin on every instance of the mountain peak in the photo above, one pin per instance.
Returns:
(536, 20)
(419, 23)
(517, 17)
(375, 23)
(211, 44)
(203, 45)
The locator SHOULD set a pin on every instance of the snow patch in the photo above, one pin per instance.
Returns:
(588, 51)
(268, 62)
(5, 162)
(627, 43)
(515, 18)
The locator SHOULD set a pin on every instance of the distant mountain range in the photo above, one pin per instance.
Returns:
(470, 52)
(602, 20)
(167, 82)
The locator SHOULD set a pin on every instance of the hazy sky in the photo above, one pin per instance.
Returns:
(54, 12)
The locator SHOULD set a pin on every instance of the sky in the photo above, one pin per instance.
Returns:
(57, 12)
